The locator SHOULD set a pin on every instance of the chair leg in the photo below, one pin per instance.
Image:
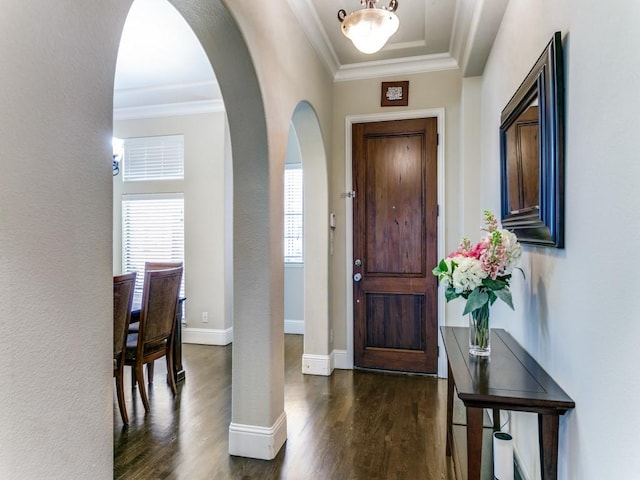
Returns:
(150, 372)
(141, 387)
(120, 392)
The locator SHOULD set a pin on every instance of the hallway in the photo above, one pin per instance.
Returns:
(351, 425)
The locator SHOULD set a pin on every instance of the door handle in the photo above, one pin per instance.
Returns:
(357, 277)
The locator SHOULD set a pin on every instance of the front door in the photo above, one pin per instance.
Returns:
(394, 245)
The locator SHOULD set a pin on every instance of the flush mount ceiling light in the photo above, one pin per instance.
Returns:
(370, 28)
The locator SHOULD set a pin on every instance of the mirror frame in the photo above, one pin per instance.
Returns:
(544, 223)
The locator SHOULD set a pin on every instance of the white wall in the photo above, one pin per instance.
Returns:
(55, 238)
(576, 312)
(205, 196)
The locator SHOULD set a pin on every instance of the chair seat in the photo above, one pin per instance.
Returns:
(132, 345)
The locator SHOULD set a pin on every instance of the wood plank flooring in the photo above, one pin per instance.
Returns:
(353, 425)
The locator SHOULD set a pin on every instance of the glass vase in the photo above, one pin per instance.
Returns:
(479, 332)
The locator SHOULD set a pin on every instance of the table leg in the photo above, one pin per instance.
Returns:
(178, 369)
(548, 438)
(450, 387)
(496, 419)
(474, 442)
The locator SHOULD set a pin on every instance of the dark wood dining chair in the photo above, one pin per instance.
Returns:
(155, 335)
(133, 327)
(123, 287)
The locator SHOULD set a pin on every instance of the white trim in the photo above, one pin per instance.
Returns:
(253, 441)
(207, 336)
(439, 113)
(340, 360)
(397, 66)
(317, 364)
(295, 327)
(308, 19)
(168, 110)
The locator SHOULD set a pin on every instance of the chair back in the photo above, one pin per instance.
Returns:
(160, 265)
(123, 287)
(159, 303)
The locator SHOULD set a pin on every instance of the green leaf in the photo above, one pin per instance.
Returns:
(496, 284)
(450, 294)
(440, 269)
(476, 299)
(505, 296)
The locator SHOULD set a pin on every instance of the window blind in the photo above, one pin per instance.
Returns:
(293, 214)
(152, 231)
(153, 158)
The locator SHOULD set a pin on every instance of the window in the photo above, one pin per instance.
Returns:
(153, 158)
(152, 231)
(293, 214)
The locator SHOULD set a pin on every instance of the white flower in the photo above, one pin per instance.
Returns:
(468, 274)
(512, 250)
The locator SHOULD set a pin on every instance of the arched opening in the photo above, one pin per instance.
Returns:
(318, 346)
(258, 424)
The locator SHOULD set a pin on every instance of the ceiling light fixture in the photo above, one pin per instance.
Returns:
(370, 28)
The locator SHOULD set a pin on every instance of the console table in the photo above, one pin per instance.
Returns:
(510, 379)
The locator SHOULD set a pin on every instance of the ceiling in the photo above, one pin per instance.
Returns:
(161, 62)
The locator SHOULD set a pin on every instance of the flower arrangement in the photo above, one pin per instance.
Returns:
(481, 274)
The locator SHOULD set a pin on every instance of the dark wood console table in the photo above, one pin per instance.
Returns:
(510, 379)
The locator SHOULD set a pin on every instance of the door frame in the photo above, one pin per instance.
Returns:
(381, 117)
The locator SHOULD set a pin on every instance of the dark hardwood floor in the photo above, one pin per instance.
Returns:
(351, 425)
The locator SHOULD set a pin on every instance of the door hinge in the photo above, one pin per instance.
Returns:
(437, 139)
(438, 347)
(351, 194)
(437, 210)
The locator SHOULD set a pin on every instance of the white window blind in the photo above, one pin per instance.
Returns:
(152, 231)
(293, 214)
(153, 158)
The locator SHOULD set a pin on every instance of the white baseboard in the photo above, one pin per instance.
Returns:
(340, 360)
(258, 442)
(207, 336)
(295, 327)
(317, 364)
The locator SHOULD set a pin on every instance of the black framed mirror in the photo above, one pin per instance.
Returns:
(532, 153)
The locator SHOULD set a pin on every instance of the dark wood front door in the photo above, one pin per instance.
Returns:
(394, 245)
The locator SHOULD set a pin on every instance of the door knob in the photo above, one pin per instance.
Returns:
(357, 277)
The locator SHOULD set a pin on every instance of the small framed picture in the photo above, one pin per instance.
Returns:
(395, 94)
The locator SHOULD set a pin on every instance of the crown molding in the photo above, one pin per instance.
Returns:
(397, 66)
(168, 110)
(312, 27)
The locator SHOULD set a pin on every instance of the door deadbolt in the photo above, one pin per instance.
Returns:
(358, 262)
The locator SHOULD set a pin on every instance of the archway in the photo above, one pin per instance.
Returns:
(317, 357)
(258, 424)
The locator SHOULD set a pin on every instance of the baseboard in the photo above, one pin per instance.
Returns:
(317, 364)
(252, 441)
(295, 327)
(340, 360)
(207, 336)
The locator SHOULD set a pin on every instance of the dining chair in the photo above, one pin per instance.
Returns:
(123, 287)
(155, 335)
(133, 327)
